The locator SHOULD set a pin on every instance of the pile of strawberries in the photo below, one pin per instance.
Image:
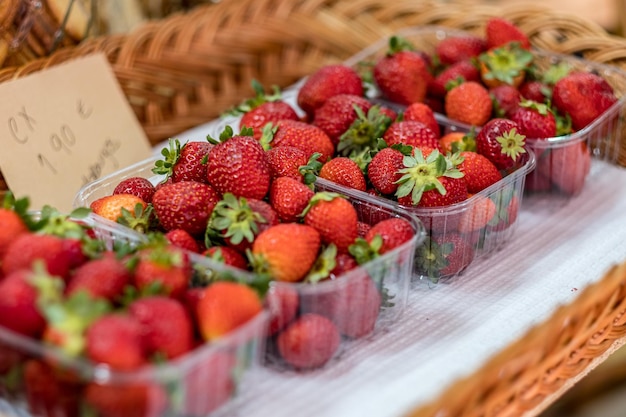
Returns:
(118, 305)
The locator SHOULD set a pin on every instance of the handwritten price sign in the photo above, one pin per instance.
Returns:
(65, 127)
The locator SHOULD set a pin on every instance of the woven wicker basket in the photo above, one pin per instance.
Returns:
(186, 69)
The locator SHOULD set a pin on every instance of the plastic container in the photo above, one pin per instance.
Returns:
(563, 163)
(383, 282)
(39, 380)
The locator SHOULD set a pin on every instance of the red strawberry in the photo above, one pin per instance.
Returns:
(11, 225)
(182, 239)
(192, 163)
(166, 327)
(48, 392)
(383, 170)
(500, 141)
(106, 277)
(402, 75)
(443, 256)
(343, 171)
(185, 205)
(285, 161)
(126, 399)
(289, 198)
(286, 251)
(567, 166)
(411, 133)
(584, 96)
(18, 305)
(238, 165)
(334, 217)
(282, 304)
(421, 112)
(326, 82)
(311, 139)
(111, 207)
(507, 212)
(309, 342)
(470, 103)
(535, 120)
(500, 31)
(394, 232)
(139, 186)
(460, 71)
(116, 340)
(458, 48)
(336, 115)
(165, 266)
(268, 112)
(455, 192)
(210, 383)
(227, 255)
(479, 172)
(29, 247)
(535, 90)
(506, 99)
(477, 215)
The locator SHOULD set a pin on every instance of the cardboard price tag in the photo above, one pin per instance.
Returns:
(64, 127)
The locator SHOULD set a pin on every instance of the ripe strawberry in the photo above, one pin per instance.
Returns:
(138, 186)
(309, 342)
(29, 247)
(226, 255)
(344, 171)
(479, 172)
(500, 31)
(477, 215)
(268, 112)
(584, 96)
(285, 161)
(336, 115)
(18, 305)
(421, 112)
(536, 90)
(464, 70)
(224, 307)
(311, 139)
(454, 49)
(411, 133)
(166, 267)
(182, 239)
(116, 340)
(238, 165)
(470, 103)
(455, 192)
(535, 120)
(394, 232)
(48, 391)
(384, 170)
(282, 304)
(334, 217)
(456, 141)
(111, 207)
(185, 205)
(289, 198)
(500, 141)
(183, 163)
(402, 75)
(126, 400)
(326, 82)
(166, 327)
(12, 226)
(442, 256)
(286, 251)
(105, 277)
(506, 99)
(210, 384)
(567, 166)
(508, 209)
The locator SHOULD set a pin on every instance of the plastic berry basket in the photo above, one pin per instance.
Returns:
(554, 176)
(386, 279)
(39, 380)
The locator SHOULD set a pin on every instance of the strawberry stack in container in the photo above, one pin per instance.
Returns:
(98, 321)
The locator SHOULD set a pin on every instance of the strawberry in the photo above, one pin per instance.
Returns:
(535, 120)
(584, 96)
(334, 217)
(343, 171)
(402, 75)
(116, 340)
(470, 103)
(456, 141)
(393, 232)
(126, 399)
(477, 215)
(285, 161)
(326, 82)
(454, 49)
(166, 327)
(309, 342)
(506, 99)
(226, 255)
(505, 65)
(268, 112)
(336, 115)
(29, 247)
(478, 171)
(48, 392)
(508, 209)
(184, 163)
(105, 277)
(210, 383)
(500, 31)
(289, 198)
(412, 133)
(442, 256)
(185, 205)
(166, 267)
(311, 139)
(460, 71)
(282, 304)
(455, 191)
(12, 226)
(18, 304)
(567, 166)
(536, 90)
(182, 239)
(112, 207)
(500, 141)
(138, 186)
(224, 307)
(286, 251)
(421, 112)
(383, 170)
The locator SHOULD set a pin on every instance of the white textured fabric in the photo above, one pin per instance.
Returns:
(448, 331)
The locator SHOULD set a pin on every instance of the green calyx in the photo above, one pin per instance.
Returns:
(364, 251)
(506, 62)
(432, 258)
(234, 219)
(323, 266)
(260, 97)
(512, 143)
(364, 131)
(422, 174)
(541, 108)
(399, 44)
(467, 143)
(171, 155)
(267, 136)
(320, 196)
(140, 219)
(229, 133)
(555, 72)
(311, 169)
